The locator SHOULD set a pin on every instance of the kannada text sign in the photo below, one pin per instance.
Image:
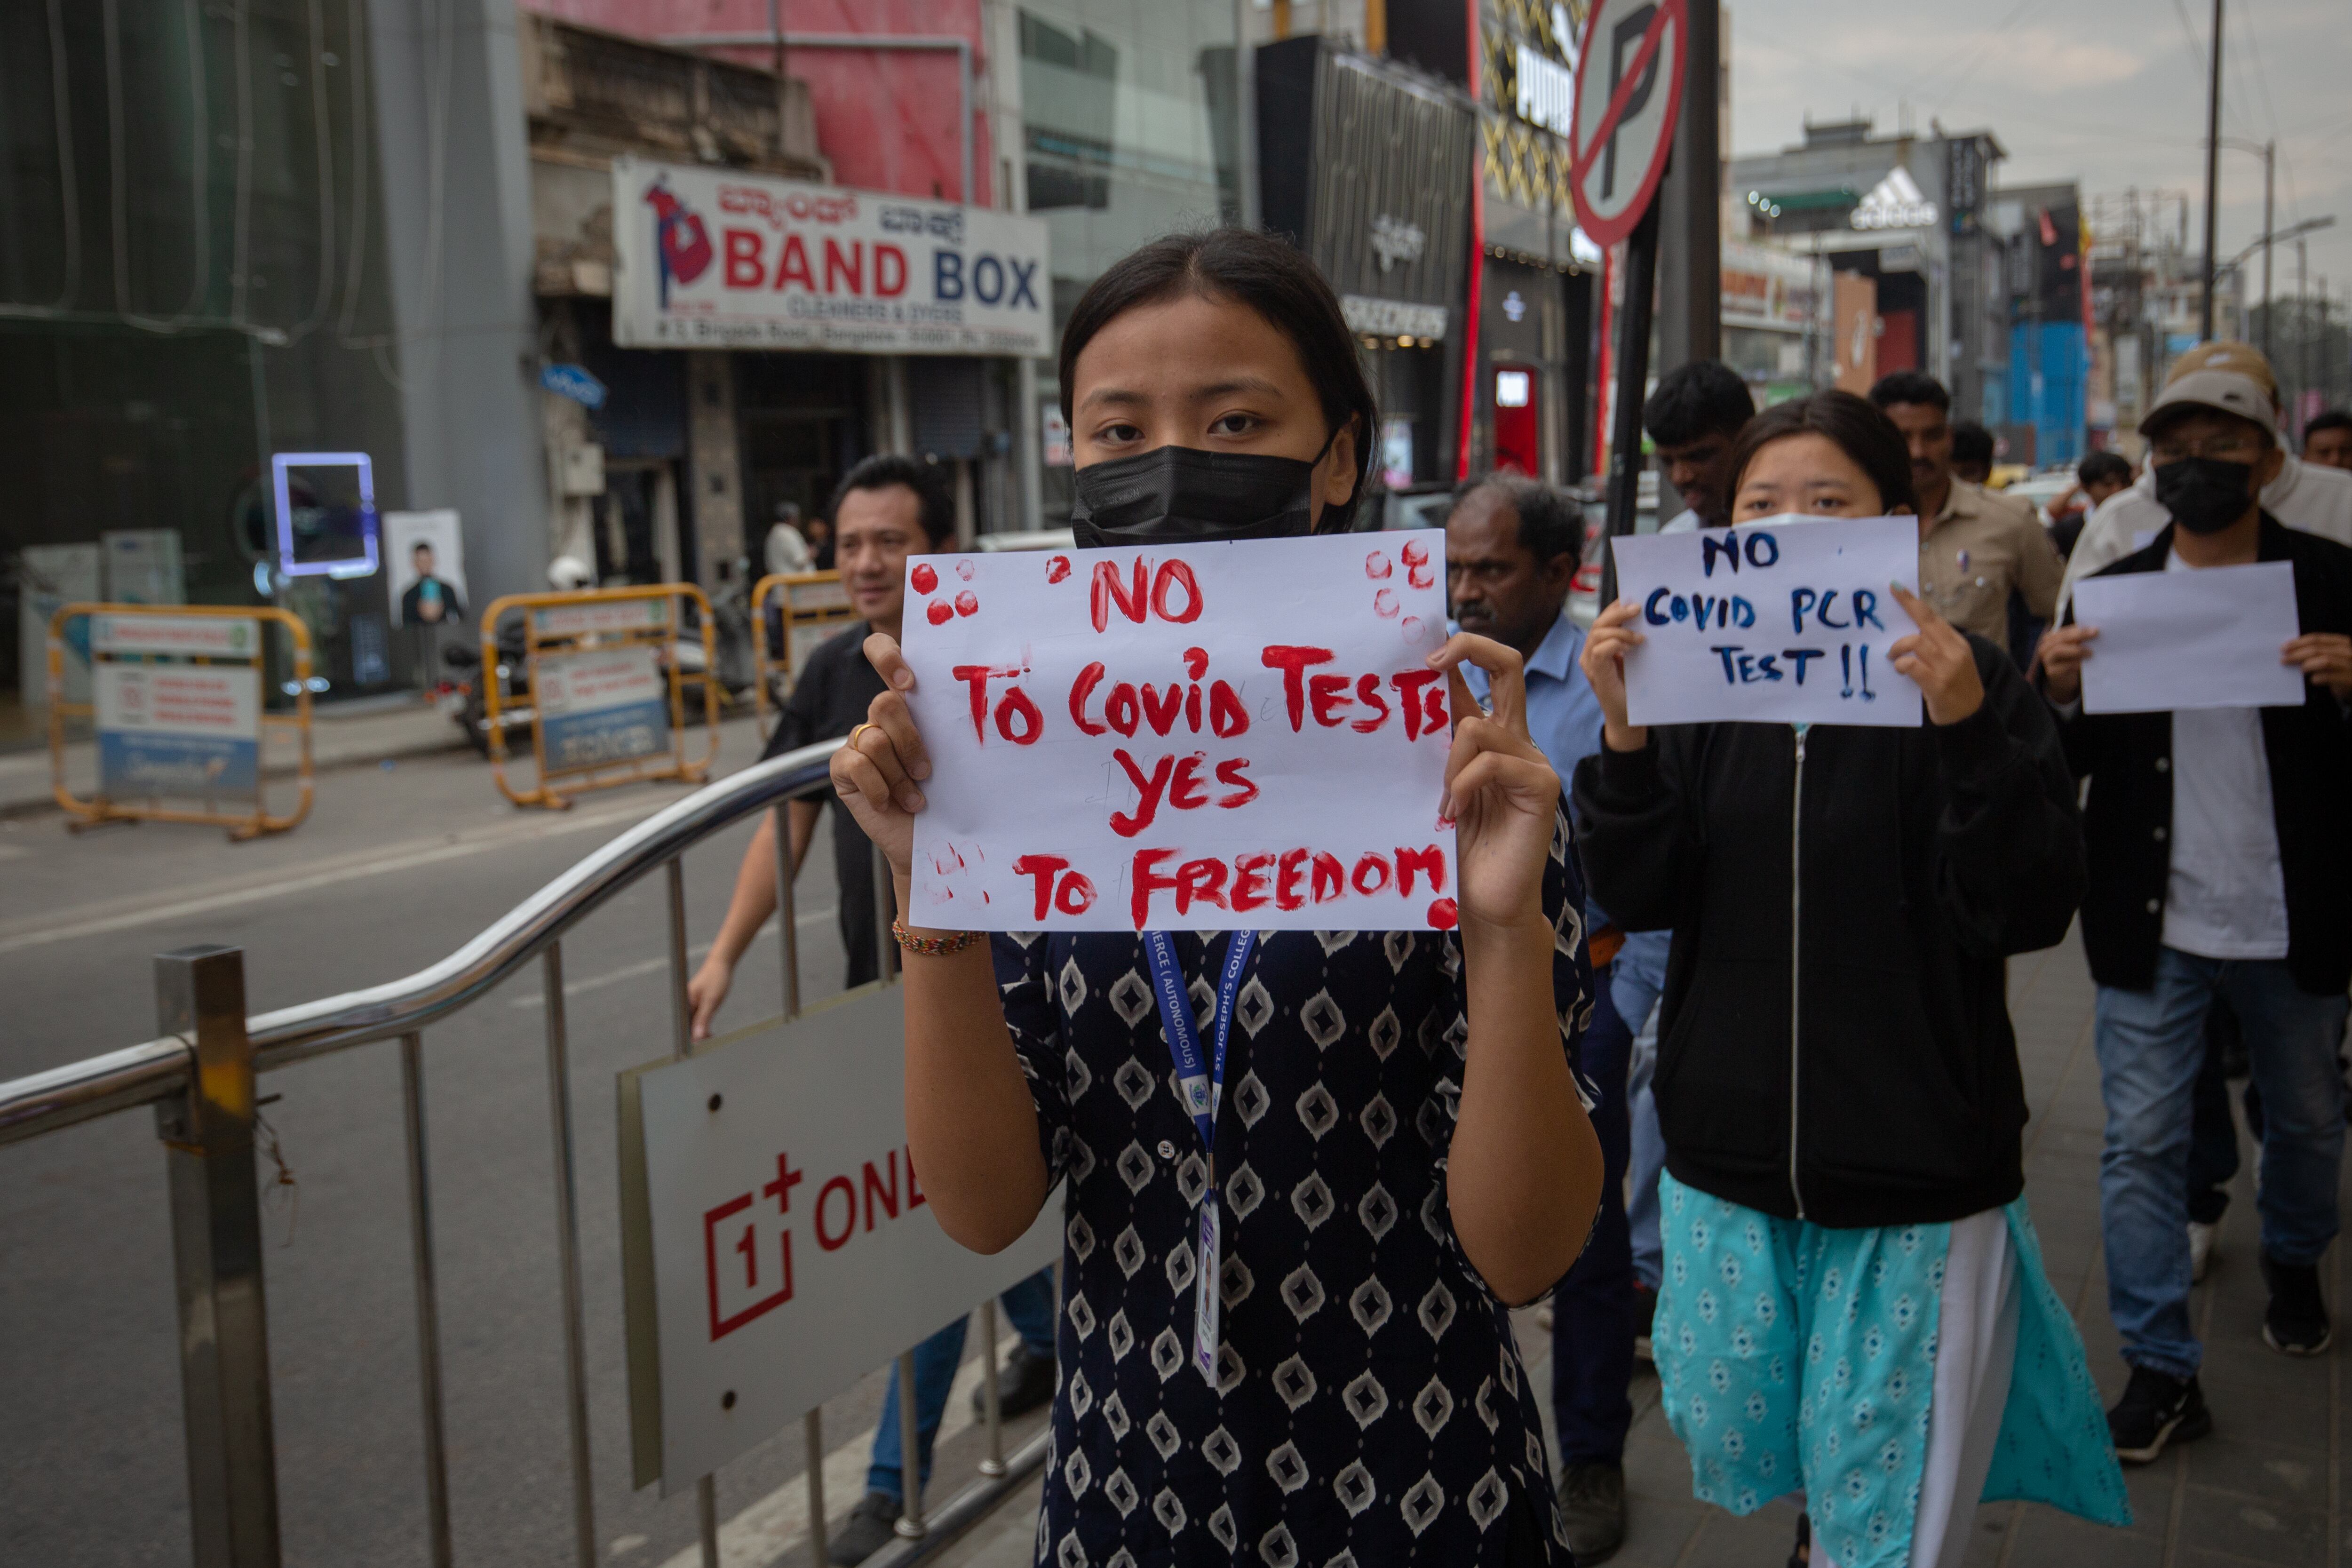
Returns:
(712, 258)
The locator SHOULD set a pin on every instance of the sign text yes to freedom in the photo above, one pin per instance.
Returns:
(1205, 737)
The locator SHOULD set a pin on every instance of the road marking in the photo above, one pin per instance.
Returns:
(778, 1522)
(647, 966)
(419, 853)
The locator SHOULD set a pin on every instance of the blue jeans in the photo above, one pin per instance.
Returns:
(1028, 1306)
(2151, 1047)
(1593, 1308)
(1635, 982)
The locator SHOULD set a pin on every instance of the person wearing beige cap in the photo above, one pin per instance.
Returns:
(2221, 872)
(2305, 495)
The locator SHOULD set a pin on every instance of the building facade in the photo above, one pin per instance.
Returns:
(214, 252)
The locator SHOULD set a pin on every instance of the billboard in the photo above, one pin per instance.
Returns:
(716, 259)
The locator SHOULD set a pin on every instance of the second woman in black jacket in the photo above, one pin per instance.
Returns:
(1850, 1276)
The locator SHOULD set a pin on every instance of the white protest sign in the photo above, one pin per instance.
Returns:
(1783, 621)
(2205, 639)
(777, 1245)
(1207, 737)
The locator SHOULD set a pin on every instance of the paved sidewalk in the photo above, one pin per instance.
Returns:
(2267, 1488)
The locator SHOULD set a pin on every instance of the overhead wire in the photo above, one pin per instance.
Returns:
(322, 141)
(1969, 67)
(355, 269)
(240, 253)
(199, 162)
(69, 194)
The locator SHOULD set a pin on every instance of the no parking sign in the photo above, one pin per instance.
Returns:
(1629, 90)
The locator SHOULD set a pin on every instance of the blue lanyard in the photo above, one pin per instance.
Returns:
(1201, 1083)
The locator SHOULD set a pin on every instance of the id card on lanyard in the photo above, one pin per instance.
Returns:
(1201, 1083)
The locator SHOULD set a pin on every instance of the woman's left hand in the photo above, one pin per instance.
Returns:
(1500, 793)
(1937, 660)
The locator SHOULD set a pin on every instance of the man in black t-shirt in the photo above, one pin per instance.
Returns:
(887, 509)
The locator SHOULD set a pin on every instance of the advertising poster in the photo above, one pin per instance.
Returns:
(716, 259)
(600, 706)
(178, 730)
(424, 560)
(786, 1247)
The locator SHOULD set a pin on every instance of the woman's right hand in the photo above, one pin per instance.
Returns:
(878, 774)
(1603, 661)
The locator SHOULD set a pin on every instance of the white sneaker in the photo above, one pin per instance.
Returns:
(2201, 1250)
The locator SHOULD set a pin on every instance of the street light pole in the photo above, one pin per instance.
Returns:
(2270, 167)
(2212, 176)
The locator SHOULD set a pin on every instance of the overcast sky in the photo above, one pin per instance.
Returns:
(2107, 92)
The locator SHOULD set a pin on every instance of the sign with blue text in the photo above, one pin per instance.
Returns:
(602, 705)
(1787, 620)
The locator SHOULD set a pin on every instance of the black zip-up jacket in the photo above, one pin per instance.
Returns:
(1882, 1086)
(2128, 823)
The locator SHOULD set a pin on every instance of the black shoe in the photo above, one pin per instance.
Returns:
(1026, 1383)
(1593, 1511)
(1645, 1314)
(867, 1530)
(2156, 1410)
(2296, 1324)
(1802, 1552)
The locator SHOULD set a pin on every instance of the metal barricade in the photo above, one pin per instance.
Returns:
(200, 1076)
(180, 705)
(606, 688)
(815, 606)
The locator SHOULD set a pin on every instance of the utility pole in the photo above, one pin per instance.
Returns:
(1690, 252)
(2212, 174)
(2270, 167)
(2302, 330)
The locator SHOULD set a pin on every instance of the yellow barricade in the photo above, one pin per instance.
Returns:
(816, 607)
(179, 699)
(607, 689)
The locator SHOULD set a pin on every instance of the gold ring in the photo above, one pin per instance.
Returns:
(855, 731)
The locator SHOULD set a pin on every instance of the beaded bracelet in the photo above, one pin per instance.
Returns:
(932, 946)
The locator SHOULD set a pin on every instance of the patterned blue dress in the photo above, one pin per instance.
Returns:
(1370, 1406)
(1795, 1356)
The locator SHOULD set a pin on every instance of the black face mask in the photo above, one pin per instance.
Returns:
(1180, 495)
(2205, 495)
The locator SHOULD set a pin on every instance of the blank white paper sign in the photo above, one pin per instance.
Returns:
(2203, 638)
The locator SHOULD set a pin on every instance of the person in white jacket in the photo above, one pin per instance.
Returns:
(2306, 496)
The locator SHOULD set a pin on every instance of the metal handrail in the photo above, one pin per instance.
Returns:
(137, 1075)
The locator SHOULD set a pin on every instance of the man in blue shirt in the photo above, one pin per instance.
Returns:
(1511, 547)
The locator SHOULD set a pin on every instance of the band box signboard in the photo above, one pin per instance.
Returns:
(718, 258)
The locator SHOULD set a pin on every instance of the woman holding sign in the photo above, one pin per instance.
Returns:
(1388, 1147)
(1853, 1304)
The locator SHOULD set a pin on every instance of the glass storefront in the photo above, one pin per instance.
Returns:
(191, 279)
(1129, 131)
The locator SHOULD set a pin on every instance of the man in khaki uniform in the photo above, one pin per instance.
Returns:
(1975, 544)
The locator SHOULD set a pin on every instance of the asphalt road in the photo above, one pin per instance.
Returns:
(396, 867)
